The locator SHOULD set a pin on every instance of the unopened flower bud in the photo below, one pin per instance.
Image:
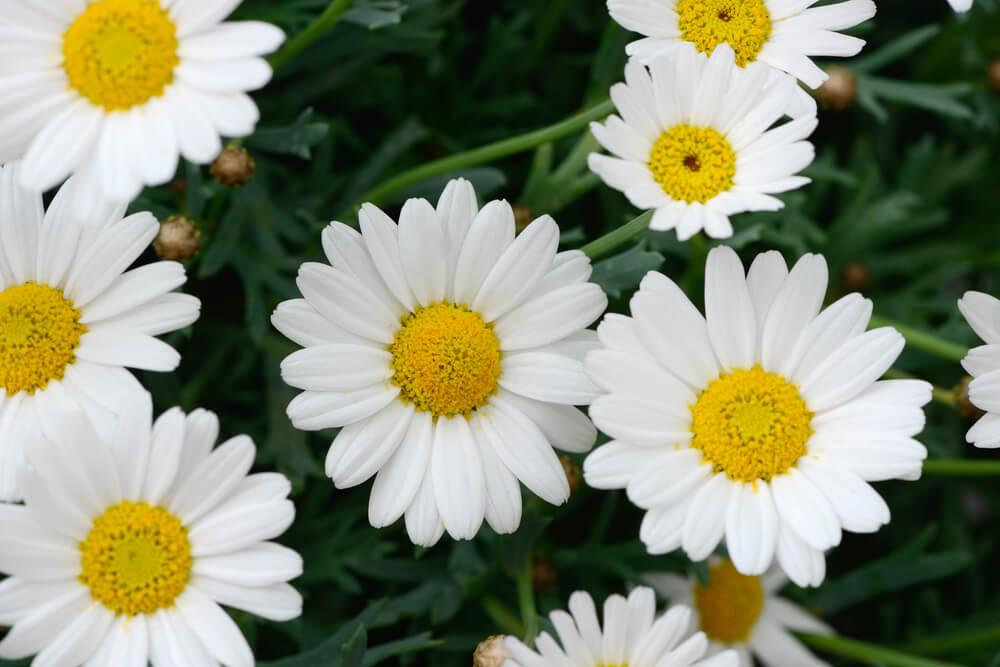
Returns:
(994, 75)
(855, 276)
(573, 474)
(490, 652)
(179, 239)
(233, 168)
(840, 90)
(522, 217)
(963, 404)
(543, 574)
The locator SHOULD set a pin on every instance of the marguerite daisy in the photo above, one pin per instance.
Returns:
(116, 90)
(779, 33)
(126, 545)
(960, 5)
(744, 613)
(450, 353)
(696, 140)
(982, 312)
(761, 423)
(631, 637)
(70, 319)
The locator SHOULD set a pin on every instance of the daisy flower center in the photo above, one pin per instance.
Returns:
(729, 605)
(692, 164)
(744, 24)
(751, 425)
(120, 53)
(39, 333)
(136, 558)
(446, 360)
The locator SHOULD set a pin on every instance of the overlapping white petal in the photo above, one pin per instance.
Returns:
(653, 365)
(741, 104)
(122, 309)
(229, 516)
(982, 312)
(447, 473)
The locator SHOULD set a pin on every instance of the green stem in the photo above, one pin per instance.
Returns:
(869, 653)
(313, 31)
(957, 641)
(923, 340)
(603, 245)
(526, 599)
(496, 610)
(961, 467)
(487, 153)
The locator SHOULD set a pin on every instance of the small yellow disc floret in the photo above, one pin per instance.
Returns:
(751, 425)
(136, 559)
(39, 333)
(729, 605)
(446, 360)
(692, 164)
(743, 24)
(121, 53)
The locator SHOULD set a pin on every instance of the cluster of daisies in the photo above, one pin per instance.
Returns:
(452, 353)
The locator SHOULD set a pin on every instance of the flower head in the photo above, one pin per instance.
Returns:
(982, 312)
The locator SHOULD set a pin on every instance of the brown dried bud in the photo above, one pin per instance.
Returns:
(573, 474)
(993, 75)
(855, 276)
(543, 574)
(179, 239)
(522, 217)
(179, 186)
(840, 90)
(490, 652)
(962, 402)
(233, 168)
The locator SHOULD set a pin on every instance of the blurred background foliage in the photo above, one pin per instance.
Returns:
(903, 205)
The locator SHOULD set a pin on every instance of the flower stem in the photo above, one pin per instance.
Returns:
(869, 653)
(603, 245)
(494, 151)
(961, 467)
(923, 340)
(957, 641)
(526, 600)
(313, 31)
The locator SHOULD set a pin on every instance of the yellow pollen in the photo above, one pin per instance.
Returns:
(743, 24)
(692, 163)
(39, 333)
(120, 53)
(446, 360)
(136, 558)
(751, 425)
(729, 605)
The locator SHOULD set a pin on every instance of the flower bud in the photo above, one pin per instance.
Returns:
(840, 90)
(233, 167)
(993, 75)
(855, 276)
(490, 652)
(179, 239)
(543, 574)
(573, 474)
(522, 217)
(963, 404)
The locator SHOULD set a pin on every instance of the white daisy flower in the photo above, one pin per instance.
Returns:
(982, 312)
(116, 90)
(450, 354)
(960, 5)
(631, 637)
(744, 613)
(697, 140)
(761, 423)
(71, 316)
(779, 33)
(126, 546)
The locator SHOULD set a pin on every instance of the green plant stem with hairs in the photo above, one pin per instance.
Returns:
(319, 27)
(869, 654)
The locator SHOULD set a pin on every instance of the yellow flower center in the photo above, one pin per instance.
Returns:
(39, 333)
(120, 53)
(692, 163)
(751, 425)
(744, 24)
(446, 360)
(729, 605)
(136, 558)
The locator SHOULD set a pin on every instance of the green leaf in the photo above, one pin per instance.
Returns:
(896, 49)
(375, 14)
(377, 654)
(332, 651)
(295, 139)
(625, 270)
(939, 98)
(353, 651)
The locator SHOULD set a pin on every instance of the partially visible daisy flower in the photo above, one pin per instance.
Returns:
(761, 423)
(631, 636)
(744, 613)
(778, 33)
(116, 90)
(127, 545)
(982, 312)
(960, 5)
(697, 140)
(71, 316)
(450, 355)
